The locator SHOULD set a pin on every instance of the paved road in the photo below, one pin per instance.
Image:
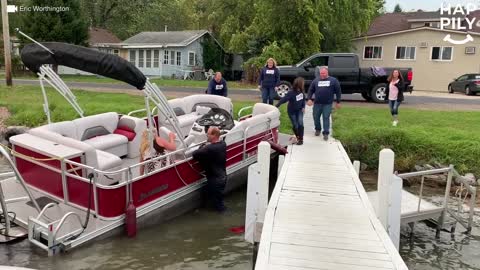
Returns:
(417, 99)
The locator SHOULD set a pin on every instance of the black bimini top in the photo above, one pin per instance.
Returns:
(89, 60)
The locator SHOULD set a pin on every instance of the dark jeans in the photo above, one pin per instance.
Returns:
(323, 110)
(268, 94)
(215, 190)
(297, 122)
(394, 104)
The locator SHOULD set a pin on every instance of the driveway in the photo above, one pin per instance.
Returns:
(419, 99)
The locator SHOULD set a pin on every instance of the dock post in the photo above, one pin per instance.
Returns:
(356, 165)
(385, 173)
(257, 193)
(395, 210)
(389, 196)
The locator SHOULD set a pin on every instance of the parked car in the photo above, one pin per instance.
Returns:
(345, 67)
(467, 83)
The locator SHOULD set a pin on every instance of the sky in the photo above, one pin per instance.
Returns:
(427, 5)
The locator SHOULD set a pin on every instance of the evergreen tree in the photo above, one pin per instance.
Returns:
(64, 26)
(397, 9)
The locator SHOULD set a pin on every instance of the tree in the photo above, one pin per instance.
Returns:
(344, 20)
(397, 9)
(126, 18)
(64, 26)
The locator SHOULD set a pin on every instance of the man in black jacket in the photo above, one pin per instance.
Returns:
(213, 158)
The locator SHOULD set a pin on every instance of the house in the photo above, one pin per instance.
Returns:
(414, 39)
(103, 40)
(169, 53)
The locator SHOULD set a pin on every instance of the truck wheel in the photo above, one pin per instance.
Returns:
(366, 96)
(283, 89)
(378, 93)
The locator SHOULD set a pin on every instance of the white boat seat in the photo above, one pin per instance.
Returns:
(112, 143)
(107, 161)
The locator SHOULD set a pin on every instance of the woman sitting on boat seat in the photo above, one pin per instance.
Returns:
(160, 148)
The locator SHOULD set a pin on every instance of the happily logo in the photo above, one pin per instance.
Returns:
(457, 19)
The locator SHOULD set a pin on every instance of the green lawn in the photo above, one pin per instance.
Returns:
(421, 137)
(25, 105)
(158, 81)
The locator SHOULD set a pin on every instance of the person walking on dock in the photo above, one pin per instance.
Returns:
(213, 159)
(296, 107)
(324, 88)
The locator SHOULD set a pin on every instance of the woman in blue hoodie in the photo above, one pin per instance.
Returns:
(296, 107)
(269, 80)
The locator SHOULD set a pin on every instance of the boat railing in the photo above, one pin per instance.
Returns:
(239, 114)
(79, 171)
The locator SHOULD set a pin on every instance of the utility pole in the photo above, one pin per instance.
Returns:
(6, 44)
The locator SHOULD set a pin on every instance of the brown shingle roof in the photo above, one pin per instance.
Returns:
(393, 22)
(390, 22)
(99, 35)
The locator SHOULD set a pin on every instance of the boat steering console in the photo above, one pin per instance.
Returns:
(215, 117)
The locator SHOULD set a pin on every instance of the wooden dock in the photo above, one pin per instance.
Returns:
(319, 215)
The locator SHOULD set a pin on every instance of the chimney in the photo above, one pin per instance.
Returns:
(165, 28)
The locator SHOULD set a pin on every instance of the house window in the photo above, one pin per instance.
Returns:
(165, 57)
(191, 58)
(156, 57)
(133, 56)
(372, 52)
(179, 58)
(405, 53)
(148, 62)
(116, 52)
(442, 53)
(172, 58)
(140, 58)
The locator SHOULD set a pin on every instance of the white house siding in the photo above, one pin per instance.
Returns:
(427, 74)
(169, 69)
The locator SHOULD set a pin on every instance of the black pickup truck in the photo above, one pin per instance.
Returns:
(344, 67)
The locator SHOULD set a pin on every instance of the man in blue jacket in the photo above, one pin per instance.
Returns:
(217, 86)
(324, 88)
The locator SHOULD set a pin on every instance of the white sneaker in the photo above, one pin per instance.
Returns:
(395, 123)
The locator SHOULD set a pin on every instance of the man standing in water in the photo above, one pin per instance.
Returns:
(324, 88)
(213, 159)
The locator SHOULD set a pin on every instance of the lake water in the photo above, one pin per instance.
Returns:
(202, 240)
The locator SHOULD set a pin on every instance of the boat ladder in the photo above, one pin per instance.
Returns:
(45, 234)
(9, 232)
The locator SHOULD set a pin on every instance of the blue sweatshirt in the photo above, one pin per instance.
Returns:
(324, 90)
(217, 88)
(296, 101)
(269, 77)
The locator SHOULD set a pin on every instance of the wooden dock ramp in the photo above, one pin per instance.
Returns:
(319, 215)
